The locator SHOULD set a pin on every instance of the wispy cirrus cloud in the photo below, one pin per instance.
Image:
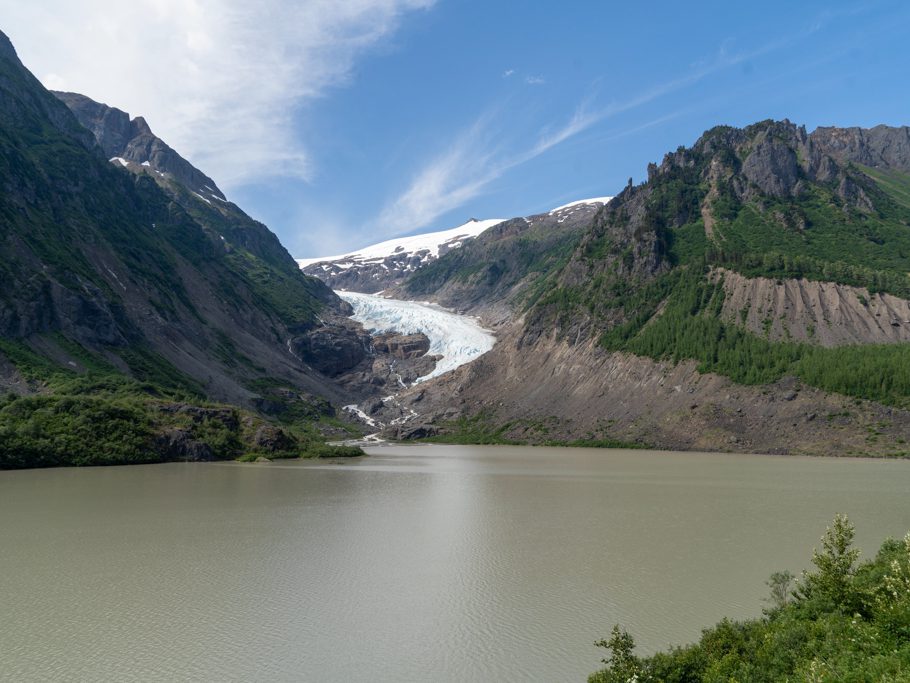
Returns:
(475, 159)
(220, 80)
(470, 164)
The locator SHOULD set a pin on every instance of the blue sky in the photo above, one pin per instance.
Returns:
(341, 124)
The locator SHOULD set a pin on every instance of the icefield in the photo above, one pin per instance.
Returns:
(459, 339)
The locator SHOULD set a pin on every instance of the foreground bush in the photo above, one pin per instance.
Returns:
(843, 621)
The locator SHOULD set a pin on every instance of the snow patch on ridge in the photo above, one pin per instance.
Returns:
(595, 200)
(459, 339)
(428, 242)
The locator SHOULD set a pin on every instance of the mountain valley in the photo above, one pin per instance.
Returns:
(750, 296)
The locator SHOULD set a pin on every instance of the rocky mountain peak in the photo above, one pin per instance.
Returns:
(133, 140)
(140, 126)
(7, 51)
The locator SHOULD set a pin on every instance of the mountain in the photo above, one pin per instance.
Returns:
(134, 286)
(475, 267)
(125, 141)
(751, 295)
(386, 264)
(506, 268)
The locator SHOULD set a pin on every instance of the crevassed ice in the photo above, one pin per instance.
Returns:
(459, 339)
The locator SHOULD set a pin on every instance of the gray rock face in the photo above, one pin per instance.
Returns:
(880, 147)
(133, 140)
(370, 277)
(7, 51)
(773, 167)
(272, 439)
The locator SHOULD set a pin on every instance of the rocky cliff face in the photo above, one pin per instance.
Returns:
(133, 141)
(883, 147)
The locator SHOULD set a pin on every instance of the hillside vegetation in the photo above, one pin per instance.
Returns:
(102, 417)
(765, 201)
(133, 309)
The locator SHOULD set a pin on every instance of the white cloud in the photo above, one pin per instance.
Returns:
(535, 80)
(507, 73)
(219, 80)
(447, 182)
(465, 170)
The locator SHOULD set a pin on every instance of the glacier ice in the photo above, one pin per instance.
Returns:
(459, 339)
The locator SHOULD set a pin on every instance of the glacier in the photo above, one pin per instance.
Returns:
(459, 339)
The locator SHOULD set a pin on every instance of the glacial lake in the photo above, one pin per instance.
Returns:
(418, 563)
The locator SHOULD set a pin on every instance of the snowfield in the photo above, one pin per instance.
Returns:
(427, 244)
(580, 202)
(459, 339)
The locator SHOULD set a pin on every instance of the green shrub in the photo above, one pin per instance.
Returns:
(844, 622)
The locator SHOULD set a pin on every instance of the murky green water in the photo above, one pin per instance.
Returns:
(420, 563)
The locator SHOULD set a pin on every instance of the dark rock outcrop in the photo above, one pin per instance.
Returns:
(272, 439)
(401, 346)
(132, 265)
(179, 444)
(331, 349)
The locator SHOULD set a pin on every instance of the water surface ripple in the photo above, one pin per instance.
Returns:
(419, 563)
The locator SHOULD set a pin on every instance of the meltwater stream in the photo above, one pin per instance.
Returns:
(459, 339)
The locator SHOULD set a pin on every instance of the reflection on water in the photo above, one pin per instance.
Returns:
(444, 563)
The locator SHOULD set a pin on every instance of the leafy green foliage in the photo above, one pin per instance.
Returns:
(622, 664)
(835, 564)
(781, 584)
(845, 622)
(43, 431)
(773, 264)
